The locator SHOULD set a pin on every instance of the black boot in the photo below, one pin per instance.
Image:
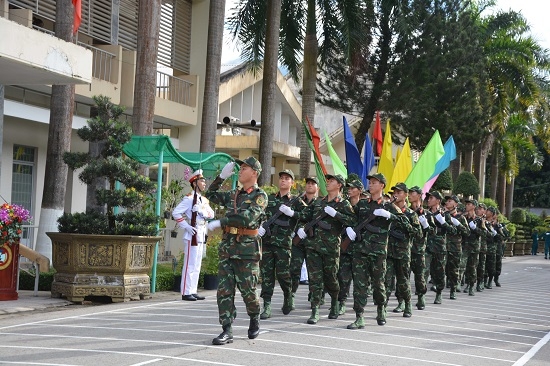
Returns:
(225, 337)
(489, 284)
(254, 327)
(497, 284)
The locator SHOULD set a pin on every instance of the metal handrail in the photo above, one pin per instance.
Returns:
(173, 88)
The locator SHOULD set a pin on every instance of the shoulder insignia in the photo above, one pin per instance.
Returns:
(260, 200)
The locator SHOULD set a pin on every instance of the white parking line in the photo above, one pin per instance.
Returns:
(527, 356)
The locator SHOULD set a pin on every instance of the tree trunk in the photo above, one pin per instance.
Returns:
(309, 76)
(468, 160)
(269, 89)
(501, 193)
(510, 197)
(494, 172)
(146, 70)
(59, 140)
(214, 48)
(484, 149)
(455, 166)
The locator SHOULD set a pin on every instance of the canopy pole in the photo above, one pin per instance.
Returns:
(157, 213)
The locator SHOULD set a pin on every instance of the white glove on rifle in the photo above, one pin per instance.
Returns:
(227, 170)
(351, 233)
(213, 225)
(286, 210)
(330, 211)
(493, 231)
(472, 225)
(382, 213)
(423, 221)
(301, 233)
(455, 221)
(440, 218)
(190, 229)
(261, 231)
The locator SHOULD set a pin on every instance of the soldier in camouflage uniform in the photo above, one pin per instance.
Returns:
(345, 273)
(480, 212)
(283, 210)
(299, 250)
(399, 251)
(326, 218)
(502, 236)
(454, 244)
(492, 243)
(370, 250)
(418, 249)
(436, 257)
(240, 249)
(470, 246)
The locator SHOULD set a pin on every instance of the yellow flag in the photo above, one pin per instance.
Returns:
(403, 166)
(385, 166)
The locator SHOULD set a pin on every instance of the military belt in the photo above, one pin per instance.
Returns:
(240, 231)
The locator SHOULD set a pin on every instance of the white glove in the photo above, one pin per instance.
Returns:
(455, 221)
(351, 233)
(493, 231)
(197, 208)
(301, 233)
(213, 225)
(472, 225)
(227, 170)
(423, 221)
(261, 231)
(190, 229)
(330, 211)
(286, 210)
(440, 218)
(382, 213)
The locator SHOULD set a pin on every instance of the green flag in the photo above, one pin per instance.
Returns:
(337, 165)
(424, 168)
(318, 169)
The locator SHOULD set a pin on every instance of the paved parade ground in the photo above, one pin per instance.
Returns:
(504, 326)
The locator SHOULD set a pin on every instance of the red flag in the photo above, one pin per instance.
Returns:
(316, 141)
(77, 14)
(377, 134)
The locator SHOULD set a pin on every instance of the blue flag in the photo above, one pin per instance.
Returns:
(353, 158)
(368, 161)
(445, 161)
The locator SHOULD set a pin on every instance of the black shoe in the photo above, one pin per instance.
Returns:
(381, 321)
(196, 296)
(188, 298)
(306, 282)
(224, 338)
(254, 328)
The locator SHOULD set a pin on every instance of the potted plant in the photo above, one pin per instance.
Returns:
(106, 253)
(209, 266)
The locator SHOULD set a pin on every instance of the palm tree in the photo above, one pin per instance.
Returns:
(340, 25)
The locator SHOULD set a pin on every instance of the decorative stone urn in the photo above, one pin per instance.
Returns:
(117, 266)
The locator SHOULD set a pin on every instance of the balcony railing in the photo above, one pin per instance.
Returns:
(174, 89)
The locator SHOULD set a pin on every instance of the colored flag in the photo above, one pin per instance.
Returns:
(353, 158)
(377, 136)
(77, 15)
(337, 164)
(368, 161)
(443, 163)
(425, 167)
(318, 169)
(316, 140)
(403, 165)
(385, 166)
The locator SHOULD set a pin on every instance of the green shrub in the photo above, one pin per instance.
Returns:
(45, 280)
(165, 281)
(444, 182)
(517, 216)
(467, 185)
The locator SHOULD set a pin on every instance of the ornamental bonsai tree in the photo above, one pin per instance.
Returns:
(111, 134)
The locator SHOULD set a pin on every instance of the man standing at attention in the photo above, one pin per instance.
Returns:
(191, 215)
(240, 249)
(284, 209)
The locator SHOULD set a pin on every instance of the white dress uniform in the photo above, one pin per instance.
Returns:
(192, 254)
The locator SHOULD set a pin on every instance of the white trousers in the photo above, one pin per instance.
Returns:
(191, 268)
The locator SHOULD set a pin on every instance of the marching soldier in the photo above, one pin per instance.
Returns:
(191, 215)
(480, 212)
(470, 246)
(502, 236)
(454, 244)
(240, 249)
(325, 218)
(492, 243)
(282, 211)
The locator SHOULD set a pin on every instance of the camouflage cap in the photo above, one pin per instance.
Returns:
(312, 179)
(482, 205)
(460, 207)
(251, 162)
(453, 197)
(378, 176)
(435, 194)
(472, 201)
(338, 178)
(400, 187)
(355, 183)
(492, 209)
(416, 189)
(287, 172)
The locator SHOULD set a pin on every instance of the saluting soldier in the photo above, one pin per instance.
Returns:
(282, 213)
(240, 249)
(325, 220)
(454, 244)
(194, 238)
(399, 251)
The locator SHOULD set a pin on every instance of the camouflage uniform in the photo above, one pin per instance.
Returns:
(276, 249)
(482, 255)
(418, 261)
(502, 236)
(454, 253)
(323, 249)
(470, 253)
(297, 258)
(239, 254)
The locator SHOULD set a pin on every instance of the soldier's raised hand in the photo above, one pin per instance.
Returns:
(227, 170)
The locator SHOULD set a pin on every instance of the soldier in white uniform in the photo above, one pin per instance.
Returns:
(194, 237)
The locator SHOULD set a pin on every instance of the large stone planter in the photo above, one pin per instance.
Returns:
(509, 249)
(117, 266)
(518, 249)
